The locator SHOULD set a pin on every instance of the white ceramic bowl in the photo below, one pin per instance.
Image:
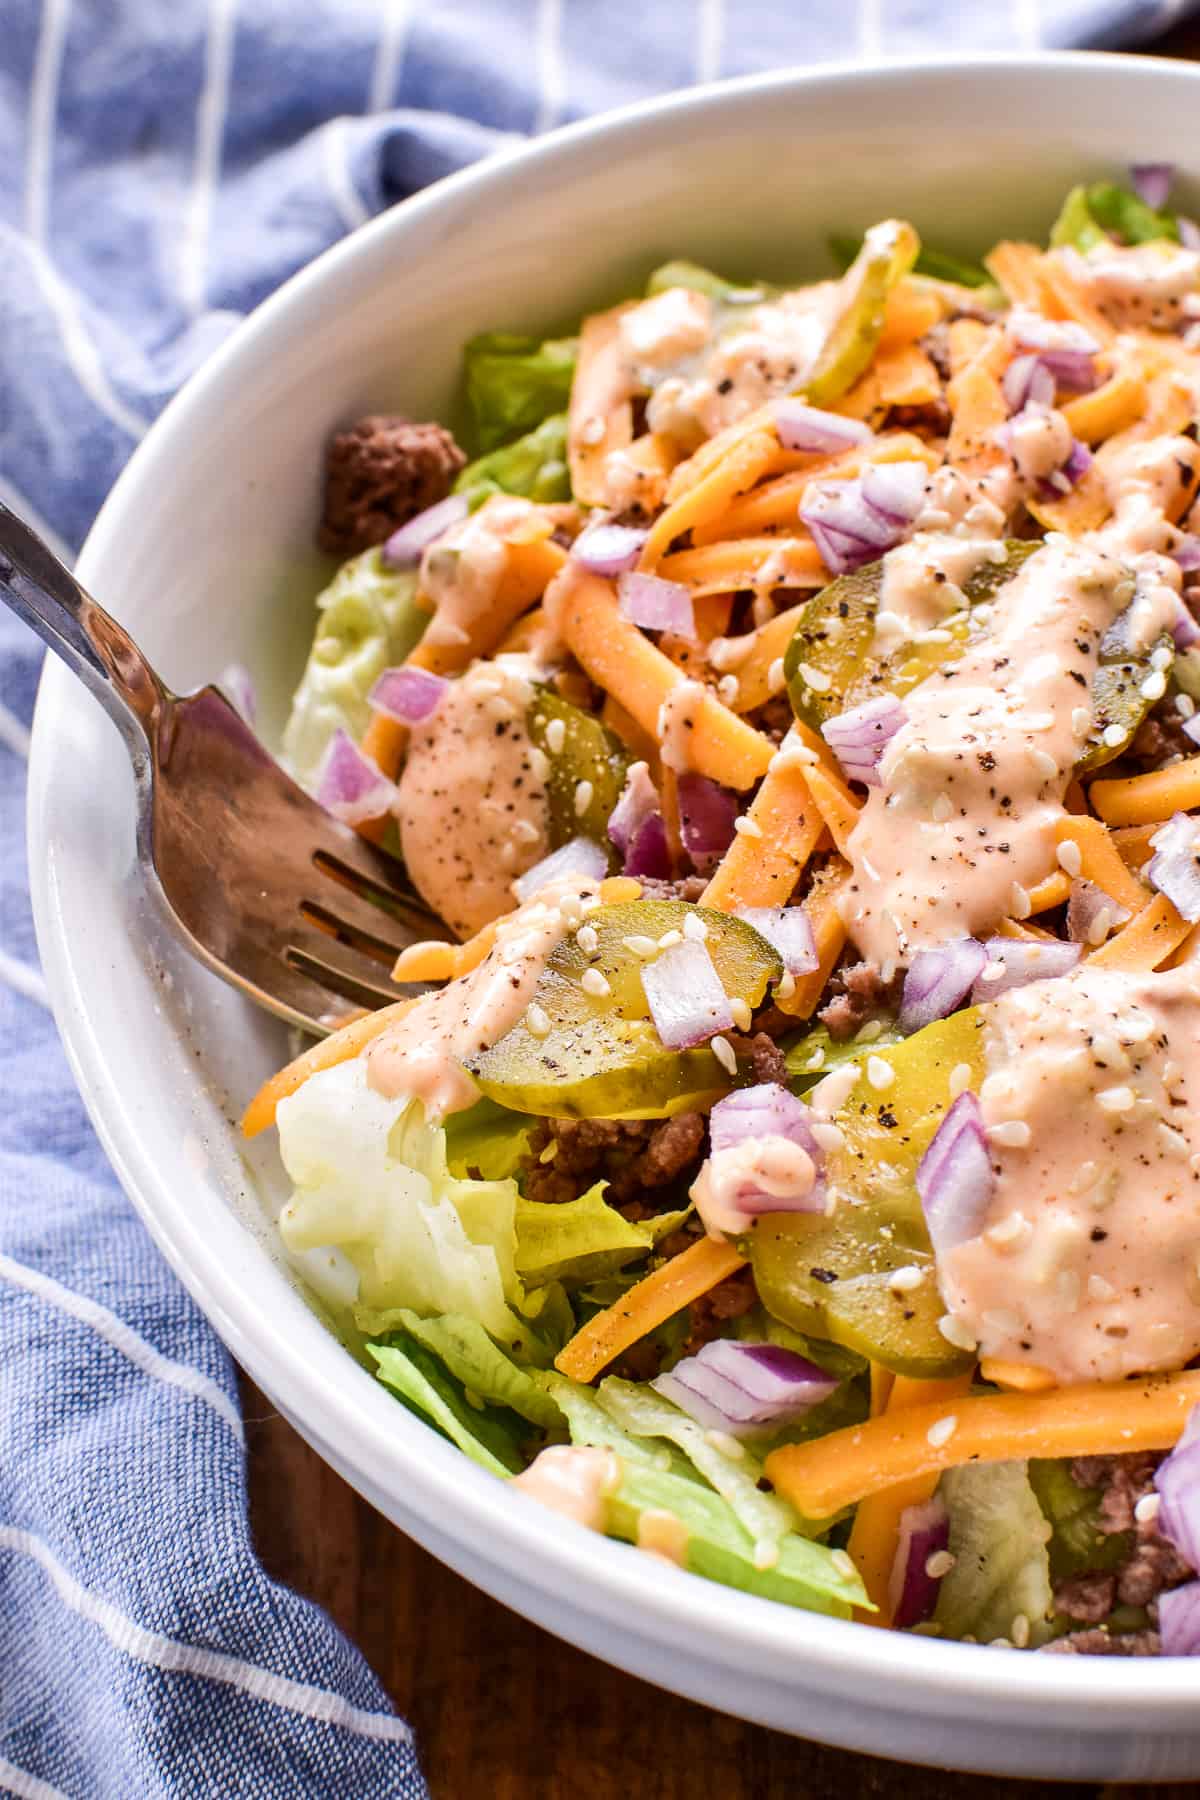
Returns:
(202, 551)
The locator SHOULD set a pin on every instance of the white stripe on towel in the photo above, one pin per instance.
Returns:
(160, 1652)
(22, 979)
(210, 133)
(711, 39)
(335, 147)
(24, 1786)
(395, 17)
(551, 75)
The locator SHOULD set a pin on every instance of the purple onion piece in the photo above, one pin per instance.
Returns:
(609, 549)
(1191, 728)
(938, 981)
(955, 1178)
(657, 605)
(913, 1592)
(1090, 908)
(1177, 1480)
(1070, 369)
(1179, 1616)
(1027, 382)
(1187, 554)
(1052, 336)
(839, 506)
(404, 548)
(706, 1397)
(841, 554)
(803, 427)
(787, 929)
(768, 1110)
(1174, 869)
(894, 490)
(685, 996)
(1024, 960)
(706, 816)
(859, 737)
(408, 694)
(742, 1388)
(350, 785)
(1152, 182)
(649, 854)
(238, 688)
(1078, 462)
(639, 798)
(582, 858)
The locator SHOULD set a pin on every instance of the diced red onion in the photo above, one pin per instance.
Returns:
(1177, 1481)
(609, 549)
(1078, 462)
(1152, 182)
(238, 688)
(840, 506)
(912, 1590)
(1185, 631)
(657, 605)
(895, 489)
(1174, 869)
(1072, 370)
(855, 521)
(859, 737)
(582, 857)
(706, 815)
(639, 798)
(1027, 382)
(1191, 728)
(1024, 960)
(1179, 1617)
(1189, 232)
(803, 427)
(740, 1388)
(685, 996)
(350, 785)
(787, 929)
(1090, 908)
(1187, 553)
(938, 981)
(408, 694)
(768, 1110)
(955, 1178)
(649, 854)
(404, 548)
(841, 554)
(1033, 331)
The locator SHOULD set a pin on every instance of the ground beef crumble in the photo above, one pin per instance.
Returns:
(1096, 1642)
(637, 1157)
(379, 474)
(687, 887)
(858, 992)
(1152, 1566)
(1160, 738)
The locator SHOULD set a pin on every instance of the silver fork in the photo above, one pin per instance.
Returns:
(262, 884)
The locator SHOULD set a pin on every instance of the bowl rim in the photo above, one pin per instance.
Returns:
(401, 1455)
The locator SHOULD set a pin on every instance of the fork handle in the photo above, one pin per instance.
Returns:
(42, 591)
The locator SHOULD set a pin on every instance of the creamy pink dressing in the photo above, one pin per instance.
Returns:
(677, 718)
(461, 570)
(422, 1053)
(663, 1534)
(574, 1480)
(1088, 1259)
(772, 1165)
(1148, 484)
(472, 806)
(922, 585)
(972, 784)
(1138, 284)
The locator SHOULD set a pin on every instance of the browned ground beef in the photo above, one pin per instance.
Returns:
(688, 887)
(933, 419)
(712, 1311)
(1160, 739)
(1153, 1564)
(1095, 1642)
(775, 719)
(635, 1156)
(380, 473)
(857, 993)
(766, 1058)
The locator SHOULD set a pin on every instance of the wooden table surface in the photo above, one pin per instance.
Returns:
(502, 1709)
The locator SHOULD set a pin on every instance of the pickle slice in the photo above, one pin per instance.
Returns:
(584, 751)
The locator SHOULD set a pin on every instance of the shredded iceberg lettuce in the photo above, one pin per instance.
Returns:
(489, 1435)
(1001, 1569)
(1104, 212)
(513, 383)
(583, 1240)
(534, 467)
(485, 1371)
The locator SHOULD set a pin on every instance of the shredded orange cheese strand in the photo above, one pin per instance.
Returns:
(1100, 862)
(1147, 940)
(1149, 799)
(747, 461)
(829, 936)
(655, 1299)
(835, 803)
(1092, 1419)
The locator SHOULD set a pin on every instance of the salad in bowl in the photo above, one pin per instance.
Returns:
(787, 1158)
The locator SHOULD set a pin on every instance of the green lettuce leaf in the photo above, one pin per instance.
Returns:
(487, 1141)
(483, 1433)
(1104, 212)
(582, 1240)
(684, 274)
(474, 1359)
(998, 1541)
(370, 1177)
(535, 467)
(513, 383)
(367, 620)
(1074, 1514)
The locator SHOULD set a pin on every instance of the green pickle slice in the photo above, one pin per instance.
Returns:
(602, 1057)
(828, 1276)
(587, 751)
(834, 637)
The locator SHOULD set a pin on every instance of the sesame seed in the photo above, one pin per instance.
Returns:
(1045, 764)
(747, 826)
(1020, 1631)
(588, 939)
(1154, 686)
(1185, 706)
(903, 1281)
(1101, 925)
(1019, 901)
(500, 709)
(786, 986)
(593, 982)
(695, 928)
(537, 1020)
(1081, 721)
(960, 1079)
(955, 1332)
(816, 679)
(828, 1135)
(551, 1151)
(1069, 857)
(726, 1445)
(570, 909)
(816, 1060)
(1067, 1284)
(766, 1554)
(775, 679)
(508, 853)
(539, 763)
(1039, 721)
(584, 793)
(843, 1564)
(1114, 735)
(556, 735)
(992, 971)
(741, 1013)
(1099, 1289)
(669, 939)
(1161, 658)
(1146, 1510)
(727, 690)
(942, 1430)
(866, 1034)
(940, 1563)
(1008, 1232)
(1010, 1134)
(644, 947)
(1116, 1099)
(722, 1049)
(880, 1074)
(942, 809)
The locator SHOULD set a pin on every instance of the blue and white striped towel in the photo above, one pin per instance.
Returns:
(162, 168)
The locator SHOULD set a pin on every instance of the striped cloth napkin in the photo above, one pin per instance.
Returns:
(162, 168)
